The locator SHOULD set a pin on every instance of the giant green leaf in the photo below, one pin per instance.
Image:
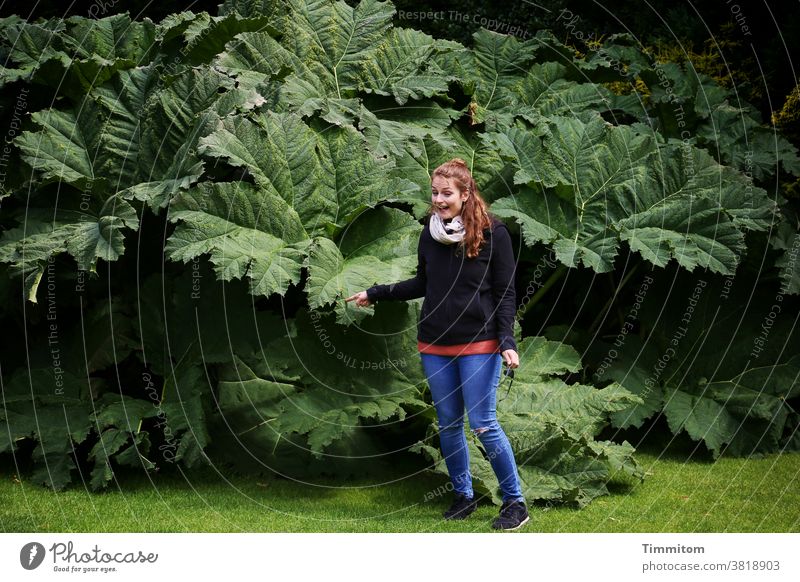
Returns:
(132, 138)
(490, 71)
(51, 408)
(78, 52)
(590, 185)
(30, 46)
(787, 238)
(331, 41)
(31, 247)
(684, 102)
(403, 67)
(249, 8)
(247, 232)
(203, 36)
(393, 131)
(325, 381)
(716, 374)
(326, 174)
(98, 41)
(335, 39)
(135, 134)
(381, 245)
(62, 150)
(185, 404)
(696, 211)
(280, 151)
(544, 91)
(256, 58)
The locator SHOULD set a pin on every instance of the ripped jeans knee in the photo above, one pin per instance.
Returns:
(484, 428)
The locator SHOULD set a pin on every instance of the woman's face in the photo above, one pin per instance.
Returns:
(447, 199)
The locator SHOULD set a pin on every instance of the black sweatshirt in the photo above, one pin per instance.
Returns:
(466, 300)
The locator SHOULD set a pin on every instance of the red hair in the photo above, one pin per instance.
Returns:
(474, 212)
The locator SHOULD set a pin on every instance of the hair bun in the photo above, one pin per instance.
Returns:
(458, 161)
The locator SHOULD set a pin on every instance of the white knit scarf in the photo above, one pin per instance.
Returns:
(449, 233)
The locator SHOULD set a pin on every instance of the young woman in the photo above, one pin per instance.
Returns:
(466, 274)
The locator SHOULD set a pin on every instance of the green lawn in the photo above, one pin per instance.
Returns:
(730, 495)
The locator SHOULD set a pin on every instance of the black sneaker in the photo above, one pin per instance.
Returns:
(513, 515)
(461, 507)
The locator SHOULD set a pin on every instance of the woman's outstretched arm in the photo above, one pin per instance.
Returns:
(402, 290)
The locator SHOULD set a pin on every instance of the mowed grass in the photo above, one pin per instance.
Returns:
(729, 495)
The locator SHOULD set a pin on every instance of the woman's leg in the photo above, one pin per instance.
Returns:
(445, 384)
(480, 376)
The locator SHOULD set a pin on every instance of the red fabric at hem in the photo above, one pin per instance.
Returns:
(490, 346)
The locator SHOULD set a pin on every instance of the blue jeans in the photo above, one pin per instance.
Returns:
(471, 380)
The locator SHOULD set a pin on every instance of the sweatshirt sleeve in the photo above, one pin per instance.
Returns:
(503, 272)
(403, 290)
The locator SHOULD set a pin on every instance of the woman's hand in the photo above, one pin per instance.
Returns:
(511, 358)
(360, 298)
